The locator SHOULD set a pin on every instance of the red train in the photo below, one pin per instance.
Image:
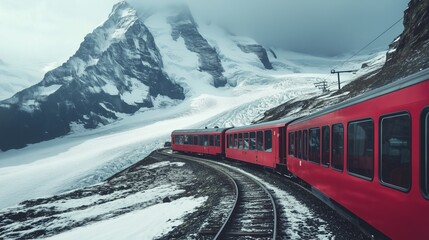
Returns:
(367, 157)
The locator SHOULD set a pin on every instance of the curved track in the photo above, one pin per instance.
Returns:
(253, 214)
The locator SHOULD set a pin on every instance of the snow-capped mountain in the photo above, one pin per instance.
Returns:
(14, 79)
(119, 69)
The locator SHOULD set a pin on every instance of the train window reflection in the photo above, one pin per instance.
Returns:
(299, 145)
(291, 143)
(360, 148)
(260, 141)
(326, 138)
(240, 141)
(338, 146)
(395, 150)
(314, 145)
(235, 141)
(206, 140)
(268, 142)
(211, 142)
(217, 142)
(426, 152)
(246, 141)
(305, 144)
(252, 140)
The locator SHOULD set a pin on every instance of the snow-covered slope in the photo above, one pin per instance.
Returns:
(134, 61)
(87, 157)
(133, 72)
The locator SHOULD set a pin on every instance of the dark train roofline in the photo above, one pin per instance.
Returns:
(408, 81)
(277, 123)
(204, 130)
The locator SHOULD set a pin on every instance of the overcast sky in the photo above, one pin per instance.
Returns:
(47, 32)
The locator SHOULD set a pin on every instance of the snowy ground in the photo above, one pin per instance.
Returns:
(88, 157)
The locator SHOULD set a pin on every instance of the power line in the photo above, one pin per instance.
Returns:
(364, 47)
(367, 45)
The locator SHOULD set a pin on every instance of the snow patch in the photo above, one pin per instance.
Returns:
(138, 93)
(164, 164)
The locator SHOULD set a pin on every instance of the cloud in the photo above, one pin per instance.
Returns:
(45, 31)
(327, 27)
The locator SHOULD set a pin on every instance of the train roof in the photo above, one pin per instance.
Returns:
(408, 81)
(276, 123)
(203, 130)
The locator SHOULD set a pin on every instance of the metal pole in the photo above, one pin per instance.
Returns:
(339, 86)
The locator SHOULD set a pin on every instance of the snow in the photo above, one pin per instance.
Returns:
(149, 223)
(164, 164)
(84, 157)
(139, 92)
(297, 214)
(46, 91)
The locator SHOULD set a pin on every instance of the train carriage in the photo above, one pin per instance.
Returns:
(370, 155)
(261, 144)
(203, 141)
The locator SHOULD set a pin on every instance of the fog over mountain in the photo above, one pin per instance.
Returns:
(45, 33)
(327, 28)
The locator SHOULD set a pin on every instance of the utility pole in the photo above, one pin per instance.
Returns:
(323, 85)
(338, 74)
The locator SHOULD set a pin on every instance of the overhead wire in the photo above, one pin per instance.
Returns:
(363, 48)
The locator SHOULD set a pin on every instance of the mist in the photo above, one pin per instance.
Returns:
(325, 28)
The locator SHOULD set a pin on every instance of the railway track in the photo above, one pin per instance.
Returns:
(253, 214)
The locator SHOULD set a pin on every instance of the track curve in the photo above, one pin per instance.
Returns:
(253, 214)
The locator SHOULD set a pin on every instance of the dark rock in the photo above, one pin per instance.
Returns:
(91, 85)
(260, 52)
(166, 200)
(183, 25)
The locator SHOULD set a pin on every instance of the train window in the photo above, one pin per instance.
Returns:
(235, 141)
(211, 140)
(206, 140)
(260, 141)
(181, 139)
(252, 140)
(186, 139)
(246, 140)
(299, 145)
(395, 151)
(268, 141)
(190, 139)
(176, 139)
(217, 142)
(296, 143)
(201, 140)
(326, 138)
(360, 149)
(195, 140)
(240, 141)
(314, 145)
(338, 146)
(292, 143)
(305, 145)
(425, 149)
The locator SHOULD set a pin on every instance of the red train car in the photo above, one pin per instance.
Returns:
(204, 141)
(261, 144)
(370, 155)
